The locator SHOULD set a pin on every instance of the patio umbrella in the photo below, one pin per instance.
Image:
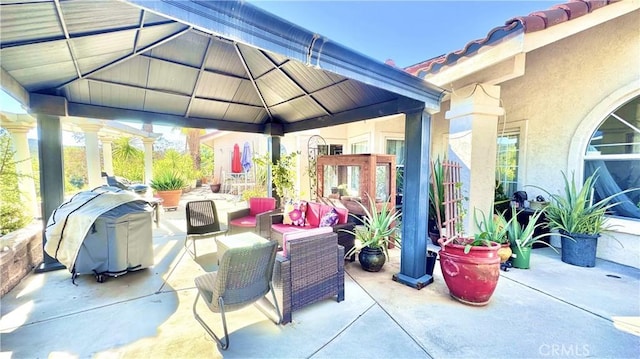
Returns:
(246, 157)
(236, 167)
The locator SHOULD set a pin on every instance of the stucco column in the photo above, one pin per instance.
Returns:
(107, 154)
(148, 159)
(22, 159)
(473, 123)
(92, 151)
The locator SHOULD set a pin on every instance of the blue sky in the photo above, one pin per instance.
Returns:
(408, 32)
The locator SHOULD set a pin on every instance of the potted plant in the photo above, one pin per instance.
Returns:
(579, 219)
(168, 185)
(374, 236)
(495, 230)
(522, 239)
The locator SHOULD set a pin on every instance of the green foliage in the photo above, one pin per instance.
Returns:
(522, 236)
(167, 181)
(128, 160)
(75, 168)
(257, 191)
(283, 173)
(436, 193)
(493, 228)
(574, 210)
(378, 230)
(207, 158)
(12, 212)
(174, 161)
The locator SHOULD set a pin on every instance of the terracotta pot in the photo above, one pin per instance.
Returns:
(471, 277)
(170, 199)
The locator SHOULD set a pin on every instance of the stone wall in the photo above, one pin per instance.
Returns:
(20, 253)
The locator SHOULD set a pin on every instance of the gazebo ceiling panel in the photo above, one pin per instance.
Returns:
(166, 76)
(310, 79)
(276, 87)
(42, 23)
(219, 87)
(161, 102)
(249, 114)
(187, 49)
(223, 57)
(246, 94)
(297, 109)
(102, 44)
(113, 95)
(30, 56)
(208, 108)
(78, 91)
(334, 99)
(257, 62)
(92, 63)
(154, 33)
(93, 16)
(134, 72)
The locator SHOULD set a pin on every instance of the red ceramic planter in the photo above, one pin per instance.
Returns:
(471, 277)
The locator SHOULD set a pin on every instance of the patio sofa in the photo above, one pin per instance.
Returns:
(310, 269)
(313, 216)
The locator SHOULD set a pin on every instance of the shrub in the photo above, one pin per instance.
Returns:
(12, 212)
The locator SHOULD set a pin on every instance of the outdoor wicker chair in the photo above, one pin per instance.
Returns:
(243, 278)
(312, 270)
(256, 218)
(202, 222)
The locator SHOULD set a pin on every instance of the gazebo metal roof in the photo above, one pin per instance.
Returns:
(209, 64)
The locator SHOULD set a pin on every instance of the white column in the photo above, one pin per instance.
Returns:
(22, 159)
(92, 151)
(148, 159)
(473, 117)
(107, 154)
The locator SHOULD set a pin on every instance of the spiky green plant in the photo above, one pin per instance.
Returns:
(574, 210)
(378, 227)
(523, 236)
(167, 181)
(493, 228)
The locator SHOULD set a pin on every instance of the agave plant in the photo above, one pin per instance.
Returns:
(523, 236)
(574, 211)
(493, 228)
(167, 181)
(378, 227)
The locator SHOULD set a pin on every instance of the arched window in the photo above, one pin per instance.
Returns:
(614, 149)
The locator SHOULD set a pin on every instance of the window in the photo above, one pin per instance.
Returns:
(507, 162)
(396, 147)
(614, 151)
(330, 149)
(359, 147)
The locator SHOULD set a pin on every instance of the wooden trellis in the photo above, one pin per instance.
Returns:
(453, 206)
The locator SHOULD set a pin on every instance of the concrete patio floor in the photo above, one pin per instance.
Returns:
(551, 310)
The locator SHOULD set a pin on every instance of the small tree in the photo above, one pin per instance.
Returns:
(12, 213)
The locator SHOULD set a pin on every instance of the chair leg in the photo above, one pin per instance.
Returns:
(223, 345)
(186, 247)
(269, 309)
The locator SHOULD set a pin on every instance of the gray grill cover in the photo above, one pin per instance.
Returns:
(106, 230)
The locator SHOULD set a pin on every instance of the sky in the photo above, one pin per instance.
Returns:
(407, 32)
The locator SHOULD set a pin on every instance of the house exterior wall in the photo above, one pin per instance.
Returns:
(568, 89)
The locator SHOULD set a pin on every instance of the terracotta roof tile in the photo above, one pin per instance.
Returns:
(535, 21)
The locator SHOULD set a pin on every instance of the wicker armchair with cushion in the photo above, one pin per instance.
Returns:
(312, 270)
(255, 218)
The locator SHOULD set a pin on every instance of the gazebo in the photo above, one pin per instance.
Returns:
(206, 64)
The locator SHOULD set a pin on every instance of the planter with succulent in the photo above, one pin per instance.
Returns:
(374, 236)
(579, 219)
(168, 186)
(495, 229)
(522, 239)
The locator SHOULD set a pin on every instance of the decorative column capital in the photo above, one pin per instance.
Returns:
(90, 127)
